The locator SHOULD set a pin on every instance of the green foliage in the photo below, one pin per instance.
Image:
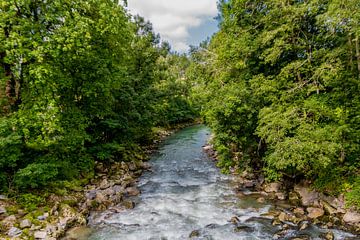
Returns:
(36, 175)
(353, 193)
(279, 87)
(30, 202)
(80, 81)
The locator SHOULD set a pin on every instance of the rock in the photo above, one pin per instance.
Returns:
(261, 179)
(40, 235)
(234, 220)
(118, 188)
(337, 203)
(270, 214)
(51, 229)
(294, 198)
(261, 200)
(301, 237)
(26, 223)
(109, 192)
(78, 233)
(3, 197)
(41, 218)
(128, 204)
(9, 221)
(100, 197)
(128, 178)
(299, 211)
(34, 227)
(194, 233)
(2, 210)
(304, 225)
(207, 148)
(132, 191)
(71, 216)
(146, 165)
(273, 187)
(328, 208)
(328, 236)
(315, 213)
(91, 194)
(276, 222)
(280, 195)
(132, 166)
(308, 197)
(247, 174)
(285, 226)
(351, 217)
(124, 166)
(54, 209)
(104, 184)
(243, 228)
(249, 184)
(116, 198)
(281, 234)
(21, 213)
(116, 209)
(14, 232)
(282, 217)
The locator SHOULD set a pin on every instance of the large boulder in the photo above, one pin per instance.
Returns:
(315, 213)
(328, 208)
(308, 196)
(273, 187)
(69, 216)
(132, 191)
(351, 217)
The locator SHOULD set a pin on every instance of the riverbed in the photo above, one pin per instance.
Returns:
(185, 195)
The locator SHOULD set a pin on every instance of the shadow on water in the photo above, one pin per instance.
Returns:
(187, 195)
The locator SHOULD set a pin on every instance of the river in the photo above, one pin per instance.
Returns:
(185, 195)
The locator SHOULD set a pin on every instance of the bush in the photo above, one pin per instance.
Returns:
(30, 202)
(36, 175)
(353, 194)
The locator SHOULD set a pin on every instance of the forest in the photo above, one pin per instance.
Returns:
(84, 82)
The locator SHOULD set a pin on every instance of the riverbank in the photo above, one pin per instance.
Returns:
(110, 188)
(300, 205)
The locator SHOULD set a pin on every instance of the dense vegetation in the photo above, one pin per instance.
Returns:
(81, 81)
(280, 84)
(84, 81)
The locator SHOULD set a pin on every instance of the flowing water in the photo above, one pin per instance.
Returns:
(186, 194)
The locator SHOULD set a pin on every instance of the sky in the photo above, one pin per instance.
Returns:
(180, 22)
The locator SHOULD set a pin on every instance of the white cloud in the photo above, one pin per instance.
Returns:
(173, 18)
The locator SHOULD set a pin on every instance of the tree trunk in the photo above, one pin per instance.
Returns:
(351, 63)
(357, 53)
(10, 90)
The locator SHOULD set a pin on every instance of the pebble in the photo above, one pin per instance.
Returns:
(40, 235)
(26, 223)
(14, 232)
(2, 210)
